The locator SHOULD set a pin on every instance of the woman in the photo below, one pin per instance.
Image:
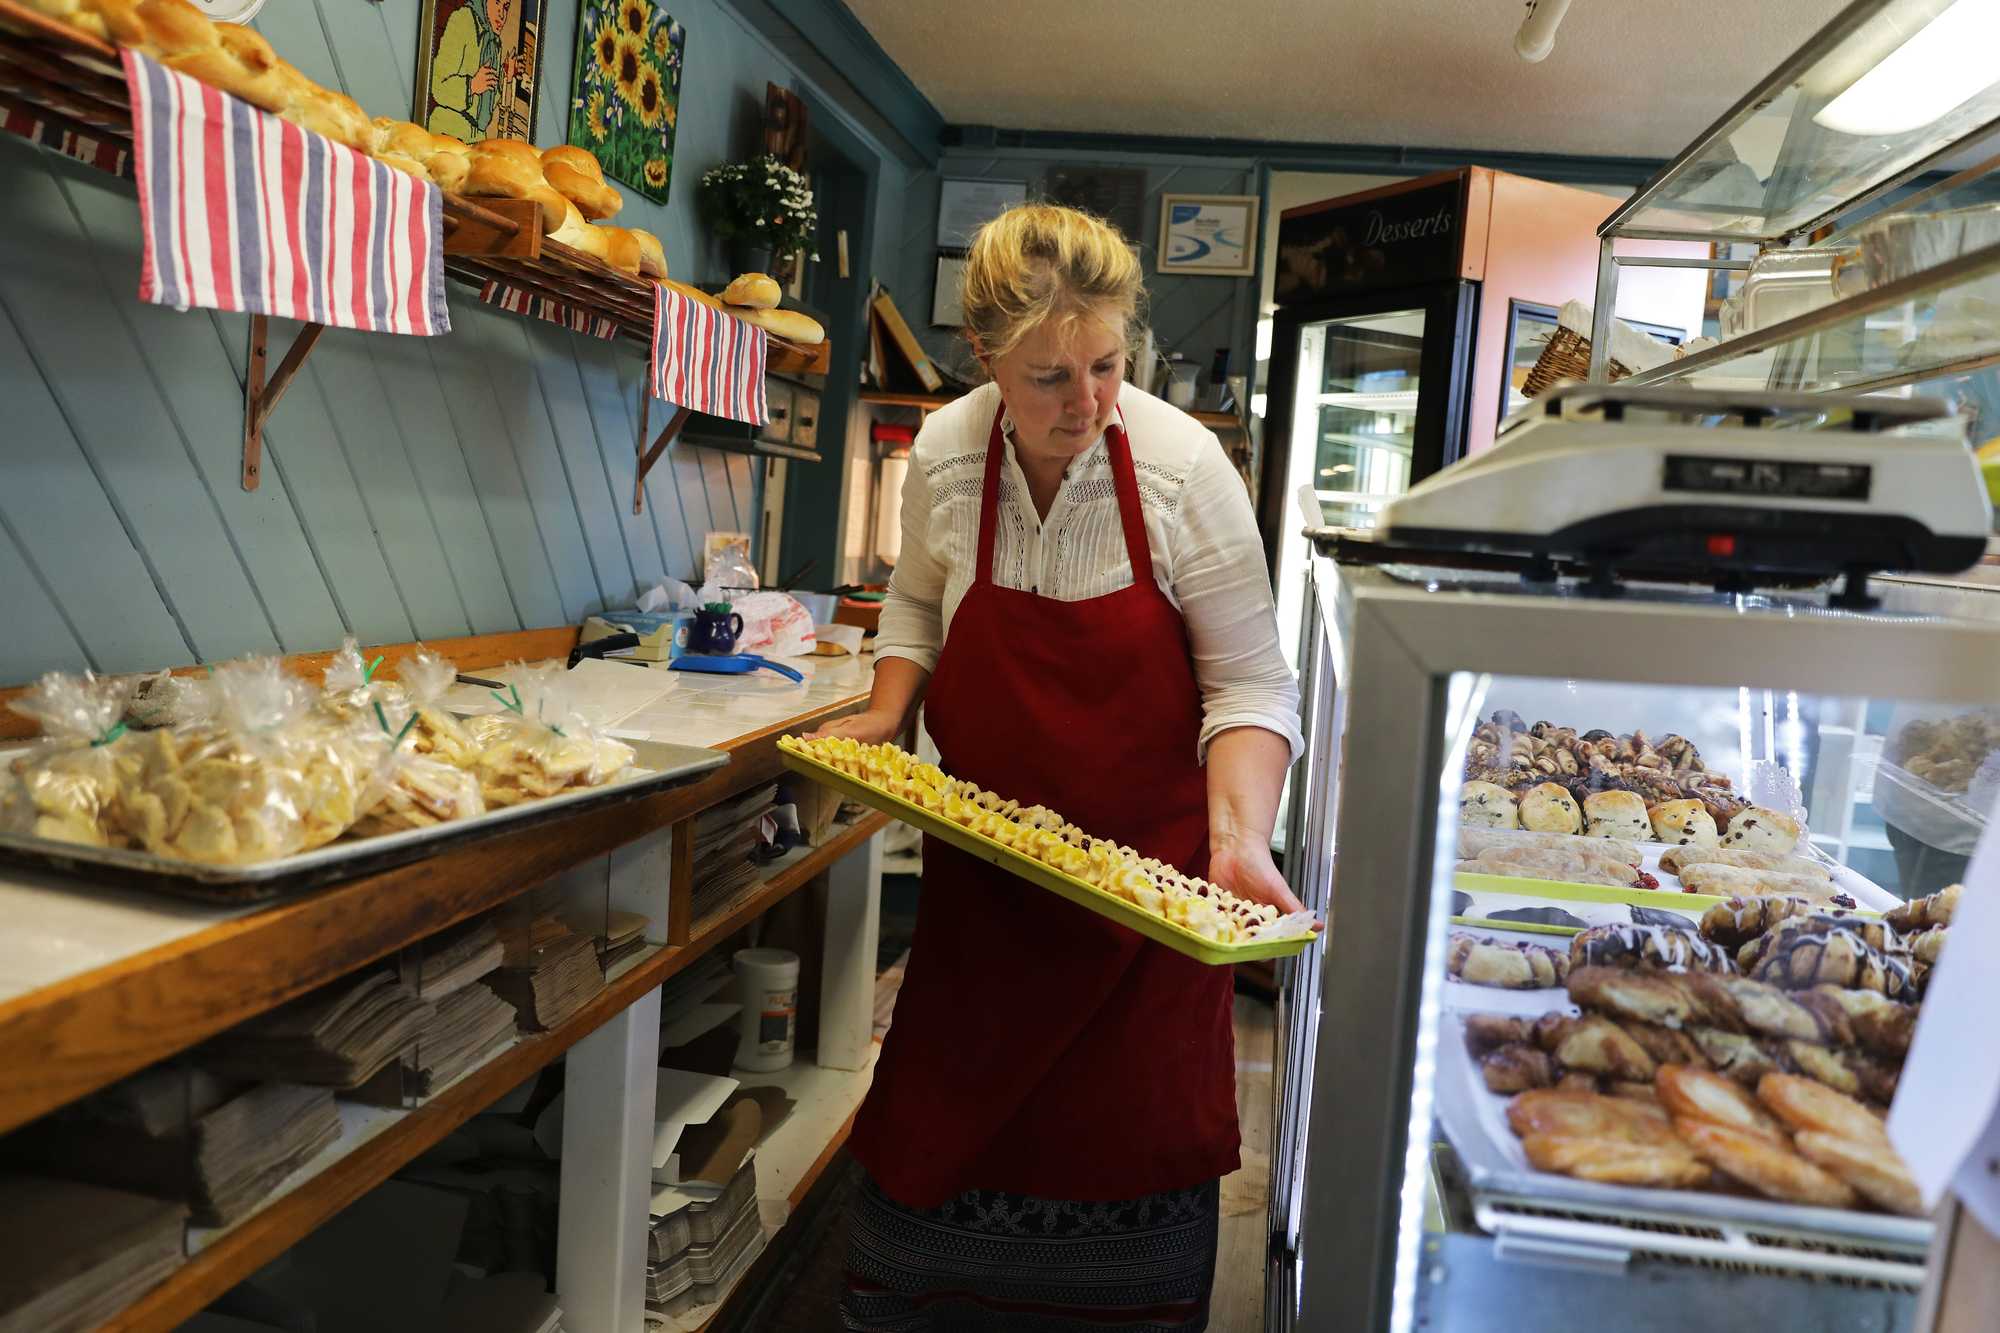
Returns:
(1082, 608)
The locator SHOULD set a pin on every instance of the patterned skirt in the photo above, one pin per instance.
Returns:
(989, 1260)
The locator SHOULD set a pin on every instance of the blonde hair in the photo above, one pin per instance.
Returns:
(1041, 262)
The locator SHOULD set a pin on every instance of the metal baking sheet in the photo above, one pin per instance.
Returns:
(1087, 896)
(1475, 1122)
(657, 765)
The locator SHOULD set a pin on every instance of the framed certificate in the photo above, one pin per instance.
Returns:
(1212, 234)
(947, 300)
(965, 205)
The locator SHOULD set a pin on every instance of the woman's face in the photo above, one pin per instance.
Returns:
(1061, 386)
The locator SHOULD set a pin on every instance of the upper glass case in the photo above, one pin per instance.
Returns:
(1888, 88)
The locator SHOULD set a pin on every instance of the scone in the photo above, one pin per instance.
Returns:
(1487, 805)
(1616, 814)
(1682, 822)
(1759, 829)
(1551, 809)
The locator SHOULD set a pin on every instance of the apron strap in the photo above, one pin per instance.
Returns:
(1124, 480)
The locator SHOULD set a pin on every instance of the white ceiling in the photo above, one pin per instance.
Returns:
(1627, 78)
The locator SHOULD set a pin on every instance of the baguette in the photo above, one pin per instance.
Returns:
(787, 324)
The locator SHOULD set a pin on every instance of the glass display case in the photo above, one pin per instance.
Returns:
(1408, 1192)
(1889, 90)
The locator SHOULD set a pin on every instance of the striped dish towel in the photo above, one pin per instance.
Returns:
(706, 360)
(243, 211)
(106, 154)
(555, 312)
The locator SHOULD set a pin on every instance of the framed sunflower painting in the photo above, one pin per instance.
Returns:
(628, 91)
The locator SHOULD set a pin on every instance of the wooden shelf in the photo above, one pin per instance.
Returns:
(931, 402)
(1219, 420)
(75, 81)
(265, 1234)
(63, 1041)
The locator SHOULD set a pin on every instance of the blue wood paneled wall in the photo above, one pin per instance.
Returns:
(1190, 315)
(414, 488)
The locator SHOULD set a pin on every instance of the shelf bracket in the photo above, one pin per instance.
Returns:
(650, 456)
(260, 396)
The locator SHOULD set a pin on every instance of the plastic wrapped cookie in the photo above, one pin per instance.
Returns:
(66, 787)
(538, 745)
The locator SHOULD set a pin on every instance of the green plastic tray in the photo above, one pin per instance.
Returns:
(1014, 863)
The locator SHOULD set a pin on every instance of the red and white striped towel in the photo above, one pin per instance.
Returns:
(574, 318)
(707, 360)
(243, 211)
(106, 154)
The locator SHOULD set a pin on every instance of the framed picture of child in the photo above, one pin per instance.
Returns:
(479, 68)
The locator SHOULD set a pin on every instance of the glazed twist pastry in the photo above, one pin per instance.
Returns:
(1489, 962)
(1924, 913)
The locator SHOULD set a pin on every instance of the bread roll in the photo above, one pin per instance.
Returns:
(1550, 808)
(448, 162)
(652, 259)
(1616, 814)
(580, 235)
(511, 169)
(1676, 859)
(1487, 805)
(1758, 829)
(787, 324)
(402, 145)
(621, 249)
(576, 174)
(1683, 823)
(757, 290)
(83, 17)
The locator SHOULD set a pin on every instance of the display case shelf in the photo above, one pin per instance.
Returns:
(1945, 320)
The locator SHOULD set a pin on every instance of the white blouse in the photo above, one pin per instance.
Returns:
(1207, 555)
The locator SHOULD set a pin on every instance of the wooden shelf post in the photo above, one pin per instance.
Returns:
(650, 456)
(260, 397)
(606, 1181)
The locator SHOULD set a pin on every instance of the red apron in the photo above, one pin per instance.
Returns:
(1037, 1047)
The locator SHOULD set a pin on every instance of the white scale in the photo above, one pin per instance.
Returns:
(1729, 487)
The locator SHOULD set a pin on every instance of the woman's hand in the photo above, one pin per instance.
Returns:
(870, 727)
(1245, 868)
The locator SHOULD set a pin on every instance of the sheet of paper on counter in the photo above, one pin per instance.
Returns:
(1946, 1118)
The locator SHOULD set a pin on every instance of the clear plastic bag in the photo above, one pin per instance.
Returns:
(538, 744)
(263, 776)
(428, 775)
(66, 787)
(351, 687)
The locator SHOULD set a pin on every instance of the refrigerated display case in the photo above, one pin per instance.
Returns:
(1402, 1198)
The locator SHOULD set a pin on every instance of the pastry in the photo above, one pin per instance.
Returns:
(756, 290)
(1483, 1032)
(1736, 922)
(1772, 1169)
(1646, 997)
(1735, 1055)
(1544, 863)
(1856, 1073)
(1872, 1169)
(1720, 881)
(1550, 808)
(1587, 1115)
(1616, 814)
(1662, 1165)
(1922, 913)
(576, 174)
(1487, 805)
(1473, 841)
(652, 259)
(1838, 950)
(511, 169)
(1761, 829)
(1927, 946)
(1872, 1021)
(1804, 1104)
(1682, 822)
(1593, 1044)
(1488, 962)
(1676, 859)
(1630, 945)
(1517, 1068)
(1701, 1095)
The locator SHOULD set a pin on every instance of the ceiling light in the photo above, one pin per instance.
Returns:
(1944, 64)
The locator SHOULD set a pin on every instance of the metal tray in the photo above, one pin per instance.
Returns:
(657, 765)
(1084, 895)
(1498, 1171)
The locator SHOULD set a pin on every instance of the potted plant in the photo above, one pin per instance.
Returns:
(764, 211)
